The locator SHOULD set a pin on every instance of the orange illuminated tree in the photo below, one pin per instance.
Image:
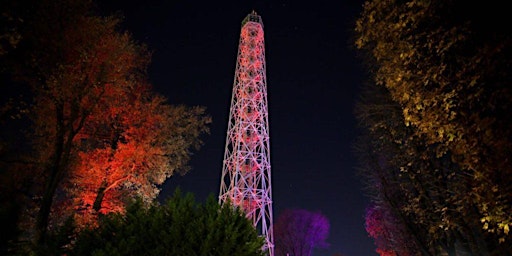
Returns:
(98, 134)
(131, 153)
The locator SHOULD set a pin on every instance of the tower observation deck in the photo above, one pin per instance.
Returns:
(246, 176)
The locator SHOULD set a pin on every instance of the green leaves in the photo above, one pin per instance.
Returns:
(179, 227)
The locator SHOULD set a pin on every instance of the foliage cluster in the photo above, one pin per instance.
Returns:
(437, 133)
(299, 231)
(180, 226)
(83, 132)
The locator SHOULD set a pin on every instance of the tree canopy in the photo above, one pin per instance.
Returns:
(97, 134)
(439, 160)
(179, 227)
(298, 232)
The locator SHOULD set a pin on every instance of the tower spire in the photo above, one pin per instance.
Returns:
(246, 180)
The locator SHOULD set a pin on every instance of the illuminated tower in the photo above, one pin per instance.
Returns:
(246, 168)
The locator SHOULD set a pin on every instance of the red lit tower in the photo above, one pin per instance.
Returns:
(246, 168)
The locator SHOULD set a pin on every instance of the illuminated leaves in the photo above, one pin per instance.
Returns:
(418, 188)
(151, 141)
(386, 232)
(99, 135)
(446, 70)
(298, 231)
(126, 139)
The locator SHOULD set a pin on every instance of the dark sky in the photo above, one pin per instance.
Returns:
(313, 78)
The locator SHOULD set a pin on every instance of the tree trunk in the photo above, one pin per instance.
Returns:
(52, 180)
(99, 196)
(62, 150)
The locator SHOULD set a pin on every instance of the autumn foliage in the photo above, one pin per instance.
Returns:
(98, 134)
(150, 142)
(437, 133)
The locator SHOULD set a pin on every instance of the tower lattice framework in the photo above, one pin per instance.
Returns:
(246, 180)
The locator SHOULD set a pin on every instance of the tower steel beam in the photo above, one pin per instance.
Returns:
(246, 176)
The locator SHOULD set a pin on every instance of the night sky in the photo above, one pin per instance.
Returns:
(313, 79)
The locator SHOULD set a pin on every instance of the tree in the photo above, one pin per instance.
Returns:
(418, 193)
(98, 134)
(151, 142)
(178, 227)
(445, 65)
(378, 225)
(297, 232)
(388, 233)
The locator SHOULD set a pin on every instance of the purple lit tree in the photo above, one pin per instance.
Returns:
(297, 232)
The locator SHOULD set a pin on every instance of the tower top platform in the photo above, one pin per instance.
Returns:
(253, 17)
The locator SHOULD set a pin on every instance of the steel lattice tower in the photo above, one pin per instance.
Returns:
(246, 168)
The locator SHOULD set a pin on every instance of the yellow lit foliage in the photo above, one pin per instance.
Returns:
(447, 67)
